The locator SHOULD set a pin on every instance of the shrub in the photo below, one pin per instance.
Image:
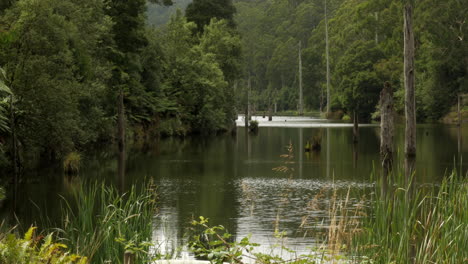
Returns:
(35, 250)
(253, 126)
(72, 163)
(346, 118)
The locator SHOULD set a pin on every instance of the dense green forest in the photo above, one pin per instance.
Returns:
(67, 62)
(365, 50)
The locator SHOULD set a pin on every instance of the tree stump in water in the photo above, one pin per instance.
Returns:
(355, 127)
(386, 130)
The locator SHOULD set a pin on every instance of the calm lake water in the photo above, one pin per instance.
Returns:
(230, 179)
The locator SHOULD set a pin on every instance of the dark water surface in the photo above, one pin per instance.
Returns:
(229, 179)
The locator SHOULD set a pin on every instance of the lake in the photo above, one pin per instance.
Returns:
(230, 178)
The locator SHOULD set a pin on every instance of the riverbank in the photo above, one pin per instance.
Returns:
(452, 116)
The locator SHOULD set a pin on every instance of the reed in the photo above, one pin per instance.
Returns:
(427, 225)
(102, 224)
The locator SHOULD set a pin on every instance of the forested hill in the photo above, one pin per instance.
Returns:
(159, 15)
(71, 68)
(366, 50)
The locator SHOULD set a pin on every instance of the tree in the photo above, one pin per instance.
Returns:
(53, 67)
(225, 44)
(360, 85)
(410, 107)
(195, 79)
(202, 11)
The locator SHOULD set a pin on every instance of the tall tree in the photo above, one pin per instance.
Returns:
(410, 102)
(202, 11)
(54, 68)
(359, 83)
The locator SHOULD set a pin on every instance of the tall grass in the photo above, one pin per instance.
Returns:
(423, 225)
(102, 224)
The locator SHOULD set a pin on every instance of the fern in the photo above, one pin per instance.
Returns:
(33, 249)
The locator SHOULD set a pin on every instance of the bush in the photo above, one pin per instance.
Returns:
(253, 126)
(346, 118)
(172, 127)
(72, 163)
(35, 250)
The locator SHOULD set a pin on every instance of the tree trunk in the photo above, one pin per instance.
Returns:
(410, 110)
(301, 106)
(249, 107)
(355, 127)
(459, 110)
(386, 132)
(410, 104)
(270, 111)
(14, 142)
(121, 139)
(327, 57)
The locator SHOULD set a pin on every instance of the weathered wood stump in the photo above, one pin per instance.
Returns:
(386, 130)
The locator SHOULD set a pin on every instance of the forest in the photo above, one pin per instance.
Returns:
(122, 121)
(66, 62)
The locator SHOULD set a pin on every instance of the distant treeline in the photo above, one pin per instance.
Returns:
(366, 50)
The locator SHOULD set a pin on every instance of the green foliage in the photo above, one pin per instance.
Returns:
(50, 53)
(35, 249)
(2, 193)
(102, 224)
(202, 11)
(195, 80)
(4, 92)
(253, 126)
(72, 163)
(159, 15)
(359, 86)
(271, 31)
(172, 127)
(215, 244)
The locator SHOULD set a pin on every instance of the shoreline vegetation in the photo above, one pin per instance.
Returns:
(398, 222)
(404, 224)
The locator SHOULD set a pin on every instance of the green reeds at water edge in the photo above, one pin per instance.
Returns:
(412, 224)
(103, 224)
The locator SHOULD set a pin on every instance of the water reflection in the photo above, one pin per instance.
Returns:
(230, 179)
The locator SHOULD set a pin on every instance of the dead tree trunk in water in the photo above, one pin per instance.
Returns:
(247, 106)
(270, 110)
(386, 132)
(328, 60)
(410, 104)
(459, 110)
(355, 127)
(301, 104)
(121, 139)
